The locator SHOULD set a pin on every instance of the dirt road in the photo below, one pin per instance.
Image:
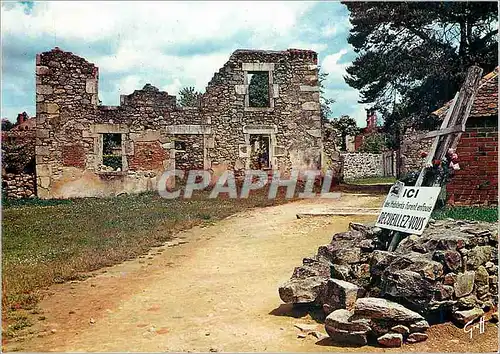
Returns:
(215, 291)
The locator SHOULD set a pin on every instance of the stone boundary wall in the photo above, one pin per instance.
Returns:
(411, 148)
(362, 164)
(18, 186)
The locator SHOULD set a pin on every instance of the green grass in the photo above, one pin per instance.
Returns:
(47, 242)
(371, 180)
(488, 214)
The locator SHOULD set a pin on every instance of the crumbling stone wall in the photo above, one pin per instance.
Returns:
(18, 185)
(411, 148)
(332, 158)
(155, 134)
(362, 164)
(71, 127)
(292, 121)
(18, 160)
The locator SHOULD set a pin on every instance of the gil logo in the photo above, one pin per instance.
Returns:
(479, 325)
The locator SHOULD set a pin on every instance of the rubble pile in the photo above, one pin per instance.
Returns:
(367, 292)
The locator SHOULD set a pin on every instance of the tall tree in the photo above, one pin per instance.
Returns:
(413, 56)
(344, 126)
(188, 97)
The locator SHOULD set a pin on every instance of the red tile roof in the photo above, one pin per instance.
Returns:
(486, 101)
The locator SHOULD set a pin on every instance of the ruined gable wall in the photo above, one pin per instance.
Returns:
(293, 121)
(66, 96)
(71, 124)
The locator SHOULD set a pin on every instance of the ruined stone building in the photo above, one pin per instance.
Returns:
(86, 149)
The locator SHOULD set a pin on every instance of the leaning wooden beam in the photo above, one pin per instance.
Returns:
(450, 132)
(456, 118)
(446, 131)
(435, 143)
(462, 110)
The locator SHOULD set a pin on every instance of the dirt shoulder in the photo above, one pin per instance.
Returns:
(214, 288)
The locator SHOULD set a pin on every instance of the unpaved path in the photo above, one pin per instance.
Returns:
(217, 290)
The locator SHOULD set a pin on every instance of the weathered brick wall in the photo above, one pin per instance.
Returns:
(477, 181)
(362, 164)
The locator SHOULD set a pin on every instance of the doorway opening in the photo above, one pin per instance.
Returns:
(259, 153)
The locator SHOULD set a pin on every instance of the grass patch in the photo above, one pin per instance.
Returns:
(48, 242)
(371, 180)
(13, 203)
(17, 322)
(488, 214)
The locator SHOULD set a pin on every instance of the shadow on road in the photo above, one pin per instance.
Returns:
(299, 311)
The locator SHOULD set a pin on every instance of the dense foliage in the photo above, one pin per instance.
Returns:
(258, 89)
(374, 142)
(413, 56)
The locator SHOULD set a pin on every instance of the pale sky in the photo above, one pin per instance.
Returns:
(168, 44)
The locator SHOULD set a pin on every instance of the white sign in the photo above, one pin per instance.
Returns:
(408, 209)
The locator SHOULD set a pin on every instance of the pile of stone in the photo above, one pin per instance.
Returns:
(388, 322)
(452, 269)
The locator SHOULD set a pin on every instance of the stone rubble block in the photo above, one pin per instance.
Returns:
(462, 317)
(379, 308)
(340, 294)
(391, 340)
(400, 329)
(346, 337)
(340, 319)
(464, 283)
(417, 337)
(302, 291)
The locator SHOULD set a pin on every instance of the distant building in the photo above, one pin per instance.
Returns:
(354, 143)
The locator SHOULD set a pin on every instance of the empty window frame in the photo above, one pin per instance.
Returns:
(112, 151)
(258, 89)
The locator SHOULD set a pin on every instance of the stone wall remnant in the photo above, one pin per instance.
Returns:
(362, 164)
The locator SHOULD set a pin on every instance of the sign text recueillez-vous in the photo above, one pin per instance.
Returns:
(408, 209)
